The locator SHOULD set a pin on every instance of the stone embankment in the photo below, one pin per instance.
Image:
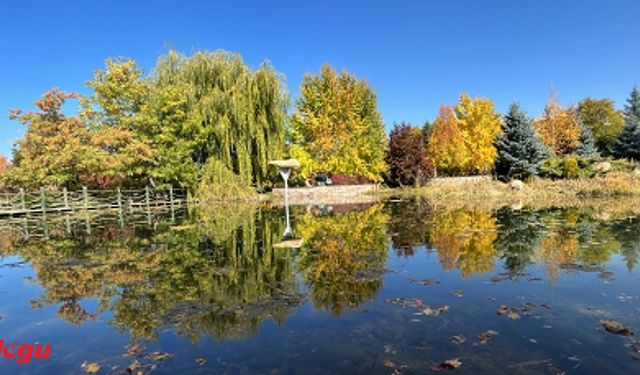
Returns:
(343, 194)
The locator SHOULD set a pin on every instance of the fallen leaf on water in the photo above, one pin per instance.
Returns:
(201, 361)
(513, 315)
(133, 366)
(485, 336)
(91, 367)
(429, 282)
(510, 312)
(458, 293)
(458, 339)
(616, 327)
(449, 364)
(555, 371)
(133, 350)
(389, 363)
(158, 356)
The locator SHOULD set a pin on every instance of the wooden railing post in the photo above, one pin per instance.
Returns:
(119, 198)
(146, 195)
(23, 203)
(85, 195)
(43, 203)
(65, 196)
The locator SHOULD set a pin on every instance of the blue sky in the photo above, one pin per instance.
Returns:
(416, 54)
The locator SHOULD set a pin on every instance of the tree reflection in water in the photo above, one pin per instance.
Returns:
(216, 273)
(343, 257)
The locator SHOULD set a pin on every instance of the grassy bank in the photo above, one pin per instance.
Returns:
(535, 192)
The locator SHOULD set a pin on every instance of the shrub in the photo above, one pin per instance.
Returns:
(219, 183)
(570, 168)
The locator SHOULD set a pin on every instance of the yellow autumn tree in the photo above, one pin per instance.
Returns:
(559, 128)
(479, 124)
(447, 143)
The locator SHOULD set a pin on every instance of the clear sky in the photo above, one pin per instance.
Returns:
(416, 54)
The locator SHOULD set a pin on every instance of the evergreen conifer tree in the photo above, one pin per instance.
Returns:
(587, 147)
(628, 143)
(520, 152)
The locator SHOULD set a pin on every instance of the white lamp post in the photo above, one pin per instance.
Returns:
(285, 167)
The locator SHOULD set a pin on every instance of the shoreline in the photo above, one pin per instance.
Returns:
(614, 188)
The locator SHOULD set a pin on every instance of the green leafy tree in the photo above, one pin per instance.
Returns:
(113, 113)
(337, 127)
(212, 105)
(520, 152)
(603, 120)
(628, 143)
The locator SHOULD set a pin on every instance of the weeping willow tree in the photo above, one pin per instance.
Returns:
(212, 106)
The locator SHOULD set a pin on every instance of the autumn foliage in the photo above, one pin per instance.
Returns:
(446, 143)
(407, 157)
(559, 128)
(461, 140)
(479, 124)
(337, 128)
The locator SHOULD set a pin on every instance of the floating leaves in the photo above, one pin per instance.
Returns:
(513, 313)
(616, 327)
(458, 339)
(201, 361)
(486, 336)
(510, 312)
(428, 311)
(458, 293)
(90, 367)
(389, 363)
(158, 356)
(133, 350)
(417, 303)
(429, 282)
(134, 366)
(449, 364)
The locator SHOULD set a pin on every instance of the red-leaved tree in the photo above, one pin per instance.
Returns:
(407, 157)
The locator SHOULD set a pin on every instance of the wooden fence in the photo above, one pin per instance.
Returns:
(42, 202)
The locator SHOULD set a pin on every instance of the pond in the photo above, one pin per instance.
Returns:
(400, 287)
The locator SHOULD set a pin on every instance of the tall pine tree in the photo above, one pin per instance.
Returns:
(628, 143)
(520, 152)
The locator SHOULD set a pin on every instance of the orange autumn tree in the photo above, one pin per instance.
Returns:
(446, 144)
(4, 164)
(479, 124)
(559, 128)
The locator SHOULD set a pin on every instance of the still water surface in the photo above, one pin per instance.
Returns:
(394, 288)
